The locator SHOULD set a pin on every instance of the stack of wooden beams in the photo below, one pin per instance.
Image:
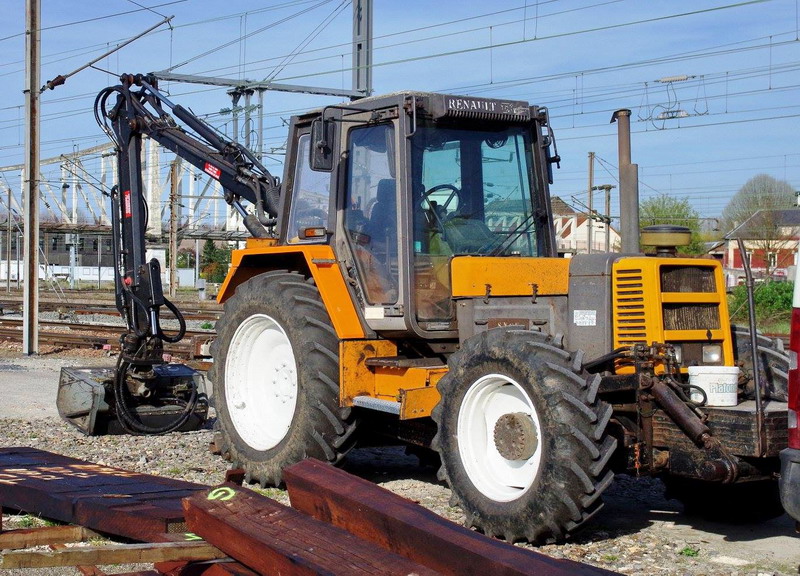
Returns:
(338, 524)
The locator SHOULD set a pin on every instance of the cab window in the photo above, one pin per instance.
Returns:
(370, 218)
(311, 198)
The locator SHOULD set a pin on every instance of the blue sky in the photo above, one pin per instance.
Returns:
(734, 115)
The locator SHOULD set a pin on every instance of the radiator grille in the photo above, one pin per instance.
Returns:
(691, 317)
(630, 307)
(687, 279)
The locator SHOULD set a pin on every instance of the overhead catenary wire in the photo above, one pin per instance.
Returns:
(97, 18)
(245, 36)
(612, 92)
(487, 47)
(60, 79)
(148, 8)
(611, 95)
(308, 39)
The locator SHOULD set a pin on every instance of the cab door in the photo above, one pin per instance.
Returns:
(370, 234)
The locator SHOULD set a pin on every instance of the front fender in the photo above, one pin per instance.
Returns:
(316, 260)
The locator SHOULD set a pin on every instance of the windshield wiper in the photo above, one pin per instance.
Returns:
(521, 229)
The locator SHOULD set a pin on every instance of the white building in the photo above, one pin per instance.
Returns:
(573, 228)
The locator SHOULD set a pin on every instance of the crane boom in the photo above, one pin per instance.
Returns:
(127, 112)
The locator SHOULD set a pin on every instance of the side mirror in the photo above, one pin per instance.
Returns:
(323, 135)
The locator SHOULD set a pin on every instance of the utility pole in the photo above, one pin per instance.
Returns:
(589, 223)
(362, 46)
(607, 216)
(30, 298)
(173, 226)
(99, 259)
(73, 258)
(8, 245)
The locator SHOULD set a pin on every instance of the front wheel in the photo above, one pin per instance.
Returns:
(521, 435)
(276, 379)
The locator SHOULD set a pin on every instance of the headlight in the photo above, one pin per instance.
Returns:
(712, 354)
(678, 353)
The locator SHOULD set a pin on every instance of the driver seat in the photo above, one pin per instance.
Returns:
(383, 221)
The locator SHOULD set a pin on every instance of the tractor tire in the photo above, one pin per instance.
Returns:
(773, 364)
(740, 503)
(522, 436)
(276, 379)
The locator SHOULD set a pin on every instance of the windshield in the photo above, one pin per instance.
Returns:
(473, 191)
(472, 195)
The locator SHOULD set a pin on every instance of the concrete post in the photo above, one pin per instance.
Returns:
(30, 298)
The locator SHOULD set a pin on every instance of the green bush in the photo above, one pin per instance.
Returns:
(773, 301)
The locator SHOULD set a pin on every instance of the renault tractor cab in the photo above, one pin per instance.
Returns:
(458, 180)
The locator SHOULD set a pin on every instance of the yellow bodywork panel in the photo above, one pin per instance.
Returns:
(262, 255)
(355, 377)
(413, 387)
(474, 277)
(650, 306)
(418, 402)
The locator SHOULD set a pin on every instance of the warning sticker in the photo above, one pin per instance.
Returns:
(126, 200)
(212, 170)
(585, 318)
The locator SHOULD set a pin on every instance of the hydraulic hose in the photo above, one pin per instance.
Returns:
(181, 324)
(127, 416)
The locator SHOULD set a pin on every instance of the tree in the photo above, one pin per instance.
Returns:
(666, 209)
(766, 233)
(761, 192)
(185, 258)
(214, 261)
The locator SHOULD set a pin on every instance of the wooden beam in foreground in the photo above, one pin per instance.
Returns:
(406, 528)
(271, 538)
(117, 554)
(109, 500)
(30, 537)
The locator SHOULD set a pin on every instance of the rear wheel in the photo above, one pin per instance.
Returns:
(276, 379)
(521, 436)
(773, 363)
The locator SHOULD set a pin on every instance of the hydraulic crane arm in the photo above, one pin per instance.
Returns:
(127, 112)
(139, 110)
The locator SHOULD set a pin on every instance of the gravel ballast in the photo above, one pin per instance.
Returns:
(638, 532)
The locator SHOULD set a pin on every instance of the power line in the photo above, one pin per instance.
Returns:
(248, 35)
(485, 47)
(544, 78)
(147, 8)
(308, 39)
(97, 18)
(438, 37)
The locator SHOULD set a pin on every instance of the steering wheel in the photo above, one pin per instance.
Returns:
(454, 193)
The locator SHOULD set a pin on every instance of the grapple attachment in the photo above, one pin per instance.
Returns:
(86, 399)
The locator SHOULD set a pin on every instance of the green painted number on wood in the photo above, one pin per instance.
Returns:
(222, 494)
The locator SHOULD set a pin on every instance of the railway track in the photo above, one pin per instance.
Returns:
(80, 303)
(100, 336)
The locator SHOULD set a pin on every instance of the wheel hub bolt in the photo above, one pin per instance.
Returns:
(515, 436)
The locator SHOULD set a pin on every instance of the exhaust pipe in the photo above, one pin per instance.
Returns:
(628, 185)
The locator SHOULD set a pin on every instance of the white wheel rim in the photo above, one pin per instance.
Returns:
(497, 478)
(261, 382)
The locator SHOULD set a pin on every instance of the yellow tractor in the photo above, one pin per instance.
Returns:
(403, 284)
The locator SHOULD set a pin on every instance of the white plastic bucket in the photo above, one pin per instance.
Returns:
(718, 382)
